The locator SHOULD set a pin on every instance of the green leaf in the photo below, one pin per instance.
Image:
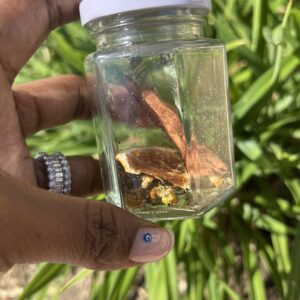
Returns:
(233, 45)
(258, 290)
(124, 284)
(293, 287)
(45, 275)
(230, 292)
(155, 277)
(281, 247)
(213, 287)
(254, 96)
(76, 279)
(171, 276)
(258, 24)
(277, 35)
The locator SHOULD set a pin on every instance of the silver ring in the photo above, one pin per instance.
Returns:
(59, 174)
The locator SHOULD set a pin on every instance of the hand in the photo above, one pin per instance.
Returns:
(36, 225)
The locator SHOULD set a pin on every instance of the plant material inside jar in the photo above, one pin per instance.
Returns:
(163, 170)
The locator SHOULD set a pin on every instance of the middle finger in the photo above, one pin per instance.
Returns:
(51, 102)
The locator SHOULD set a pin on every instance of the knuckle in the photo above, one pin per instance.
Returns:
(28, 112)
(83, 108)
(55, 14)
(101, 235)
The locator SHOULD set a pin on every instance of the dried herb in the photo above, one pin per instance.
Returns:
(167, 117)
(199, 160)
(161, 163)
(195, 160)
(163, 194)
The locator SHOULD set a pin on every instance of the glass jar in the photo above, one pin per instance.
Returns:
(161, 110)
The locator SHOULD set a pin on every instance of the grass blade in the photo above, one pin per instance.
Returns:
(76, 279)
(46, 274)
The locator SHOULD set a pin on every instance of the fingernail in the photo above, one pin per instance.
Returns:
(151, 244)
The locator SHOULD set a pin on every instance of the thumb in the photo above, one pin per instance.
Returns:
(40, 226)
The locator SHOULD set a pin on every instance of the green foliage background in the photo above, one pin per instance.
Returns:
(248, 248)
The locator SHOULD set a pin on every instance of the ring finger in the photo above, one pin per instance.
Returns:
(51, 102)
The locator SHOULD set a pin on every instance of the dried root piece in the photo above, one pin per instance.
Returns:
(167, 117)
(160, 163)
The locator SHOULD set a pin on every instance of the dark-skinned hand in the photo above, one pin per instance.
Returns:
(36, 225)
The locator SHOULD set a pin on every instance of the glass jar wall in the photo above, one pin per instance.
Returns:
(162, 113)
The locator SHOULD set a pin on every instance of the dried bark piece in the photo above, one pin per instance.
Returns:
(198, 159)
(201, 161)
(167, 117)
(161, 163)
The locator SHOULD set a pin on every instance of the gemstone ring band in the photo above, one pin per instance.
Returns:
(58, 170)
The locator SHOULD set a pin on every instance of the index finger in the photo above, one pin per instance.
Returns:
(25, 24)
